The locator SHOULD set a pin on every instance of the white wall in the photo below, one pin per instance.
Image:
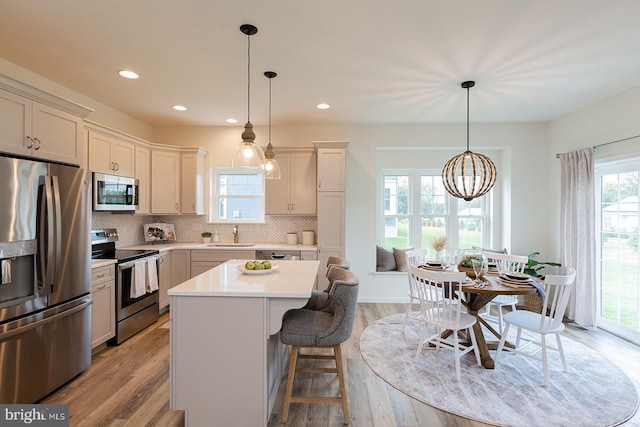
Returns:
(521, 148)
(102, 114)
(528, 177)
(612, 119)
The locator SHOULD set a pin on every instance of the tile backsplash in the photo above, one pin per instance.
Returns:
(188, 227)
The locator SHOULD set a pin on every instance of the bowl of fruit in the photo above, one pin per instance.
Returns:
(258, 267)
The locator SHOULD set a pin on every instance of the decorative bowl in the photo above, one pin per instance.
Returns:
(470, 272)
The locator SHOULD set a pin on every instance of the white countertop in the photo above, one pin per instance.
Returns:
(162, 247)
(292, 279)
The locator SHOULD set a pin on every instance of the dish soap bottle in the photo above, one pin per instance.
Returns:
(216, 238)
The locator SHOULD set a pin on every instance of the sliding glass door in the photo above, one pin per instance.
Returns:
(618, 265)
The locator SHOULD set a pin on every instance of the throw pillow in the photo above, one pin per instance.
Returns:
(401, 258)
(385, 259)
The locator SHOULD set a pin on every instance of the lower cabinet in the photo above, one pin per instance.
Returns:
(103, 311)
(164, 280)
(203, 260)
(180, 266)
(309, 255)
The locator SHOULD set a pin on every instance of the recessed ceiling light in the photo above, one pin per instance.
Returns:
(180, 107)
(231, 121)
(323, 106)
(128, 74)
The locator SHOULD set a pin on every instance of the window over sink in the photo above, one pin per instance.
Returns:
(236, 196)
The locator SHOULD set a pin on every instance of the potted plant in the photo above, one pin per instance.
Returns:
(532, 301)
(466, 264)
(533, 266)
(206, 237)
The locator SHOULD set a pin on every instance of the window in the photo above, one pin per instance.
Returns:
(236, 196)
(417, 208)
(618, 267)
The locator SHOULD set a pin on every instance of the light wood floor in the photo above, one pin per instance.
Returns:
(128, 385)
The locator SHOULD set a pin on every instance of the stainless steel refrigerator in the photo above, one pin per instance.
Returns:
(45, 277)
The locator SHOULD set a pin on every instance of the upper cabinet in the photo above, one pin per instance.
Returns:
(111, 155)
(40, 125)
(165, 182)
(192, 175)
(143, 175)
(294, 193)
(331, 167)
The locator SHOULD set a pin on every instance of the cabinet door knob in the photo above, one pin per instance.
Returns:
(29, 142)
(117, 166)
(113, 166)
(37, 147)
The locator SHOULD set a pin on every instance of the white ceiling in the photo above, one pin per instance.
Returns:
(374, 61)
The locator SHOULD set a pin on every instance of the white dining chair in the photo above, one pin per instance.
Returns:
(549, 322)
(415, 257)
(504, 262)
(438, 292)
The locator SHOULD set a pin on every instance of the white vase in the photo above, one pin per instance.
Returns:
(206, 240)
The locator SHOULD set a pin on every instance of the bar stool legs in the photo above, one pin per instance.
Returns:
(294, 356)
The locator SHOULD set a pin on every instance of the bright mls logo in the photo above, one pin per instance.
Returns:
(37, 415)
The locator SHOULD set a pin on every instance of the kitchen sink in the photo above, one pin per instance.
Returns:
(231, 245)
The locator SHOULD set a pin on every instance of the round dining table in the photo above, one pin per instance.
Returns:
(475, 298)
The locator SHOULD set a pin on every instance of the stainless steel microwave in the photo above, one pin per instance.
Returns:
(114, 193)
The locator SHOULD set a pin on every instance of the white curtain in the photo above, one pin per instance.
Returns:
(577, 235)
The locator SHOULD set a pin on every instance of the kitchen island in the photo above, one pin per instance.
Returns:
(226, 357)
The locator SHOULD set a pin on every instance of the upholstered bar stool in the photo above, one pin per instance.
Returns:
(320, 299)
(326, 329)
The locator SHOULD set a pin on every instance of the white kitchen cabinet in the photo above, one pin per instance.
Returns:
(34, 129)
(103, 310)
(165, 182)
(331, 204)
(294, 192)
(203, 259)
(111, 155)
(180, 266)
(192, 182)
(331, 169)
(143, 175)
(164, 279)
(331, 229)
(309, 255)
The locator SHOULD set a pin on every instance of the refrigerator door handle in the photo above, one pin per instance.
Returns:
(19, 330)
(57, 231)
(49, 247)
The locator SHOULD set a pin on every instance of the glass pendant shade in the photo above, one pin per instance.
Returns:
(469, 175)
(248, 154)
(271, 168)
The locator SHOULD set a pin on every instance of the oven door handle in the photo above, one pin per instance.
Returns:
(130, 264)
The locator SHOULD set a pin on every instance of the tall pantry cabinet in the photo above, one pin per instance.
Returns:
(331, 172)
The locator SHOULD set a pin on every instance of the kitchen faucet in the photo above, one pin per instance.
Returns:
(235, 234)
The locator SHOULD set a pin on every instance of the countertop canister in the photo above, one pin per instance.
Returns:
(292, 238)
(308, 237)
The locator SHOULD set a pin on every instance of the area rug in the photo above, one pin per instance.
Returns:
(594, 392)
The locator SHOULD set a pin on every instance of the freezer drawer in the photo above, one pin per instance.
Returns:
(41, 352)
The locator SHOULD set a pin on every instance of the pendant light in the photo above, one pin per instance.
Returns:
(469, 175)
(248, 154)
(271, 166)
